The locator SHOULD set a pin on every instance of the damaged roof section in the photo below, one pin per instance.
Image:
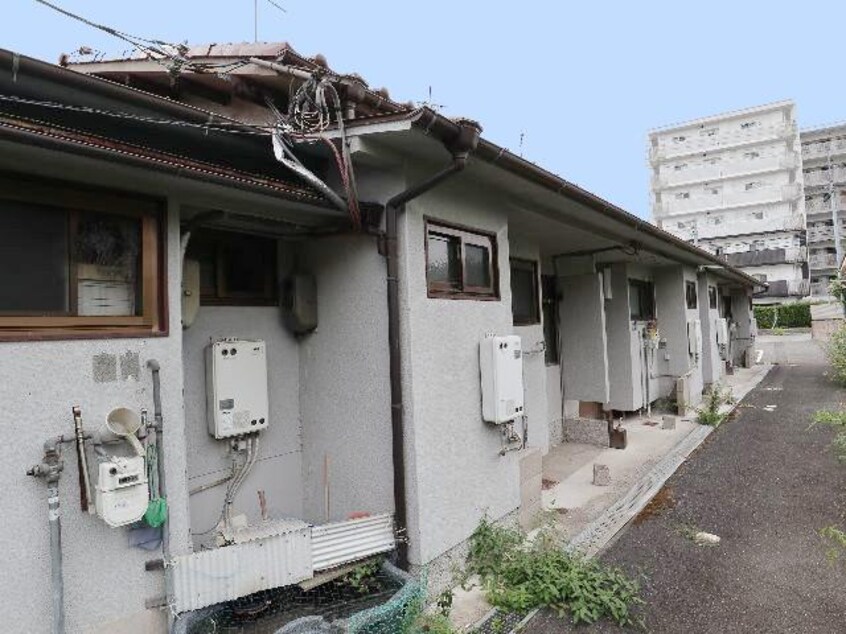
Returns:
(232, 76)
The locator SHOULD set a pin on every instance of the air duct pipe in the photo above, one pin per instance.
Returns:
(50, 469)
(460, 147)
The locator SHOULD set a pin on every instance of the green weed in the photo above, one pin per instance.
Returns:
(518, 576)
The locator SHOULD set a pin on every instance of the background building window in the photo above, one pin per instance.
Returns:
(525, 300)
(690, 294)
(712, 297)
(74, 260)
(641, 300)
(235, 269)
(549, 305)
(460, 263)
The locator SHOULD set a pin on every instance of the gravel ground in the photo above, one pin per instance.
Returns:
(765, 484)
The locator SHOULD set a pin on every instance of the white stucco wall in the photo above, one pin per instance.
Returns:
(455, 472)
(583, 338)
(618, 329)
(279, 469)
(105, 581)
(344, 382)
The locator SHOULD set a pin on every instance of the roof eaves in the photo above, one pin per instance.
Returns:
(53, 136)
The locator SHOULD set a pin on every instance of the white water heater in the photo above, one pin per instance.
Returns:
(122, 493)
(501, 365)
(236, 386)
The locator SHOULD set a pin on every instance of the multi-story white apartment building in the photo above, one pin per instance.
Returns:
(732, 184)
(824, 166)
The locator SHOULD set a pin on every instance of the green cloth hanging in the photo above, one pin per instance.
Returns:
(156, 513)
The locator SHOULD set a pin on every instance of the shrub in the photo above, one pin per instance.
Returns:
(518, 576)
(796, 315)
(836, 352)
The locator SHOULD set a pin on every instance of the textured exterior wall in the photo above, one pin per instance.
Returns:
(278, 471)
(344, 382)
(534, 366)
(455, 472)
(583, 339)
(745, 319)
(105, 581)
(618, 327)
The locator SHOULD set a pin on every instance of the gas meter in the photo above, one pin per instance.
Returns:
(122, 493)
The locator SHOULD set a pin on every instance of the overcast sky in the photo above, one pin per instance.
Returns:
(582, 82)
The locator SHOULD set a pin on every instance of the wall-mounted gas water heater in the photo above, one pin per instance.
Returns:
(501, 365)
(236, 387)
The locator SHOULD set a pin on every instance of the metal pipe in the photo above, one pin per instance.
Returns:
(464, 143)
(158, 429)
(50, 469)
(82, 462)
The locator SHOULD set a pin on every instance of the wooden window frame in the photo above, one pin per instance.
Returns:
(465, 235)
(532, 265)
(72, 199)
(222, 295)
(688, 295)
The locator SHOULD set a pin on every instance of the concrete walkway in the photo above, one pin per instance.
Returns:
(765, 484)
(568, 468)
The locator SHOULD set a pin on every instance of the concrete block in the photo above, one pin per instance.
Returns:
(669, 422)
(601, 475)
(530, 491)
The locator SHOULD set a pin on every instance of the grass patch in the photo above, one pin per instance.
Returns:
(837, 420)
(518, 576)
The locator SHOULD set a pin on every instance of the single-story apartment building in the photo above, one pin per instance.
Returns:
(342, 335)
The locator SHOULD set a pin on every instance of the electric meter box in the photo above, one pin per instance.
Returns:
(122, 494)
(501, 365)
(236, 386)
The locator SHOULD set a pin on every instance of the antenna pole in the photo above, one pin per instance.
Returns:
(255, 20)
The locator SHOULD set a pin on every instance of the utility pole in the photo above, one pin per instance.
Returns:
(255, 20)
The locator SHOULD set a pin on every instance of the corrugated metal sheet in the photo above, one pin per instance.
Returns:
(343, 542)
(213, 576)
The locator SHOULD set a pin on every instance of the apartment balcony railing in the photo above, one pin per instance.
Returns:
(822, 261)
(816, 178)
(731, 169)
(824, 233)
(834, 147)
(721, 141)
(817, 206)
(738, 227)
(733, 198)
(764, 257)
(787, 288)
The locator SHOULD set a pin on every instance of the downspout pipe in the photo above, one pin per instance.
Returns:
(460, 148)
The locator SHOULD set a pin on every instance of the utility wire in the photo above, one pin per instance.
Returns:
(212, 127)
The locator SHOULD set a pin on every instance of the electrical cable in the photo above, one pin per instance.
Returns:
(216, 127)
